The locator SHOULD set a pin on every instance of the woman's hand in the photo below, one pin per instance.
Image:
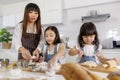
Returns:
(36, 53)
(41, 59)
(25, 53)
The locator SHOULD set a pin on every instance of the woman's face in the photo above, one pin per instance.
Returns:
(50, 36)
(33, 15)
(88, 39)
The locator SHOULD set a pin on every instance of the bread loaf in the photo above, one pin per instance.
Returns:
(89, 64)
(73, 71)
(114, 75)
(79, 72)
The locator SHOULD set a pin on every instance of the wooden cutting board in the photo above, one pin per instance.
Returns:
(31, 70)
(18, 79)
(99, 68)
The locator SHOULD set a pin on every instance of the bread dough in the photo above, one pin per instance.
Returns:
(89, 64)
(73, 71)
(110, 64)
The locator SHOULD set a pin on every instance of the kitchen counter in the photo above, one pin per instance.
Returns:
(38, 76)
(28, 75)
(114, 50)
(13, 55)
(112, 53)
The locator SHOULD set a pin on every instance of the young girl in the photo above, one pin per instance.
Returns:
(89, 48)
(28, 34)
(54, 49)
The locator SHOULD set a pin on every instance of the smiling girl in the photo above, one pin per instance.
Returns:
(54, 50)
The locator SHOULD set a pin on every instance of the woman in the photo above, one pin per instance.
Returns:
(28, 35)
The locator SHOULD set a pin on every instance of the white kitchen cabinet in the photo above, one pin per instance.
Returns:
(11, 54)
(51, 12)
(8, 21)
(79, 3)
(111, 53)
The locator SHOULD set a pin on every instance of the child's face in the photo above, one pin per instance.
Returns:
(50, 36)
(33, 15)
(88, 39)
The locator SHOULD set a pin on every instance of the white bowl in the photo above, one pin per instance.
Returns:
(57, 67)
(118, 67)
(15, 72)
(50, 73)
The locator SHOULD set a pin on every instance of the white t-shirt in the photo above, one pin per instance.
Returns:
(89, 50)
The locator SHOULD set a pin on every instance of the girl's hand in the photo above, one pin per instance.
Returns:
(25, 53)
(51, 63)
(36, 53)
(80, 53)
(73, 51)
(117, 60)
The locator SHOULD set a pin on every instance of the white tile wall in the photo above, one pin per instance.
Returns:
(106, 29)
(73, 21)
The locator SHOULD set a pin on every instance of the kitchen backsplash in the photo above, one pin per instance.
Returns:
(108, 30)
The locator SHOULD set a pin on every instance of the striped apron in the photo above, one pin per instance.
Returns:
(30, 43)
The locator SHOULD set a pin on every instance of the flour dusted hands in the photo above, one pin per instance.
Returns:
(36, 53)
(51, 63)
(80, 53)
(25, 53)
(73, 51)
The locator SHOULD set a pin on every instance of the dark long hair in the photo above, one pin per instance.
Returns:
(88, 29)
(55, 30)
(31, 7)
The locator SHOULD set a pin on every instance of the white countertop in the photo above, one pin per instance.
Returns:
(41, 76)
(11, 54)
(116, 50)
(35, 75)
